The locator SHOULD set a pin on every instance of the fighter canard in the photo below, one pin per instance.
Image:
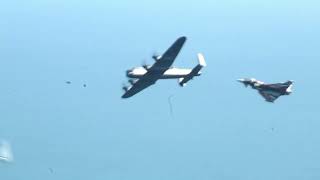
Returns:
(145, 76)
(270, 92)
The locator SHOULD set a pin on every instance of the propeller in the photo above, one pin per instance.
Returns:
(127, 72)
(144, 65)
(156, 56)
(131, 81)
(125, 87)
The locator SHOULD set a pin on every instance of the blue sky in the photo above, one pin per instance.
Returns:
(218, 130)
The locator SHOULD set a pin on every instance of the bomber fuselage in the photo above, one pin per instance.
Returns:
(171, 73)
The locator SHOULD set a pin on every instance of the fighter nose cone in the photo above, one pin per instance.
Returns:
(240, 80)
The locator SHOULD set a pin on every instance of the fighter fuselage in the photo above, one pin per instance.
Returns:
(279, 88)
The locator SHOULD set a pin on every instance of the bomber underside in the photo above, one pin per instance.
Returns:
(169, 74)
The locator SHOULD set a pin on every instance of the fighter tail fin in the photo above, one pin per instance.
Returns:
(289, 82)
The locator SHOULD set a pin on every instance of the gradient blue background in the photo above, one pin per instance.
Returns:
(218, 129)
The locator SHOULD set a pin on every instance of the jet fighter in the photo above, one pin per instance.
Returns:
(145, 76)
(270, 92)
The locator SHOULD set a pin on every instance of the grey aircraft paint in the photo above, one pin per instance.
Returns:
(270, 92)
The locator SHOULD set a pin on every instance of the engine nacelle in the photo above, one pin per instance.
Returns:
(146, 67)
(156, 57)
(125, 88)
(131, 81)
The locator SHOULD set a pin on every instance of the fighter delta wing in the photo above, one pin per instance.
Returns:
(269, 96)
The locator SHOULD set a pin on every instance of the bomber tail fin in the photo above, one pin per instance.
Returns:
(195, 71)
(201, 60)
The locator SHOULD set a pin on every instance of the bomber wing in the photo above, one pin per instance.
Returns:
(138, 86)
(167, 59)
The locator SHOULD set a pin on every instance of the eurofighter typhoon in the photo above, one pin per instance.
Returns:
(270, 92)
